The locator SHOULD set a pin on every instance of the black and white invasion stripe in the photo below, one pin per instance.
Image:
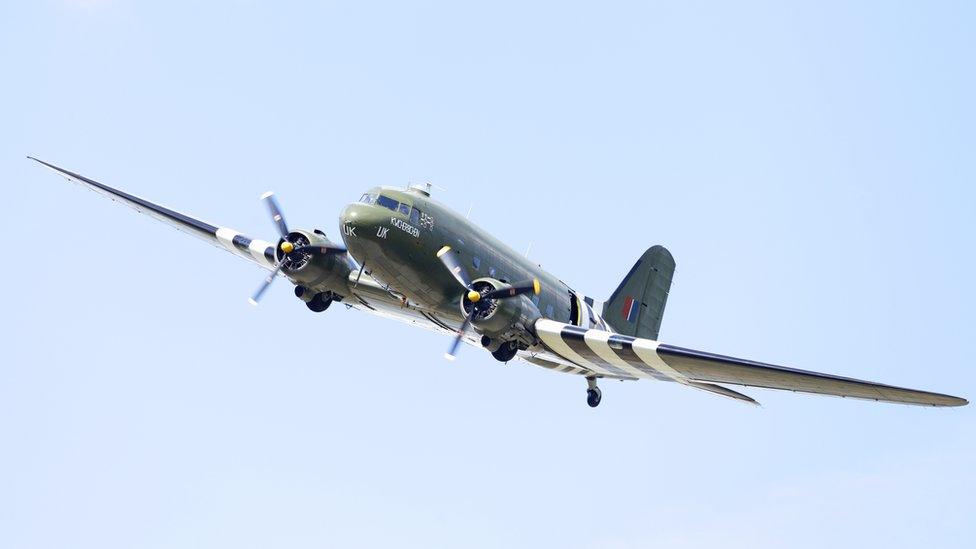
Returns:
(606, 354)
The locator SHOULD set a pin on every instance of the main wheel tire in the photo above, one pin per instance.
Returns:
(319, 303)
(506, 352)
(593, 397)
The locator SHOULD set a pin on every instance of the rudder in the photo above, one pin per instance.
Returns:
(637, 305)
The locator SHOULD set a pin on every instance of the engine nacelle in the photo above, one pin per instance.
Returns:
(320, 273)
(505, 319)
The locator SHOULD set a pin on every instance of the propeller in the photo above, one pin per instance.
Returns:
(481, 300)
(291, 246)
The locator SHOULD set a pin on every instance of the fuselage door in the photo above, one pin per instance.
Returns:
(575, 310)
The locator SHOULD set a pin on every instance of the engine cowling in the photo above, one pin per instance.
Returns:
(320, 273)
(501, 319)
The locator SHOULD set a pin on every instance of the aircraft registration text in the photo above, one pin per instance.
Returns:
(405, 227)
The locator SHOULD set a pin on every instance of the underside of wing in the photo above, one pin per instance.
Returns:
(257, 251)
(715, 368)
(602, 351)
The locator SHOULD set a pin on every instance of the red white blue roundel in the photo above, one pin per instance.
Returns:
(631, 306)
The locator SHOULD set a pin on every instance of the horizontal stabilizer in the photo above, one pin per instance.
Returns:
(724, 391)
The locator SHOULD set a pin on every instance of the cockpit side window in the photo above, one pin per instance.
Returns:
(368, 198)
(404, 209)
(387, 202)
(415, 216)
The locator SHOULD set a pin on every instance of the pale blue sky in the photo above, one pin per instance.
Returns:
(810, 165)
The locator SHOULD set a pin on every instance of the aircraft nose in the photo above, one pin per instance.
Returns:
(352, 218)
(359, 221)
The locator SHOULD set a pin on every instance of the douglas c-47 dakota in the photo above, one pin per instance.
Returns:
(407, 257)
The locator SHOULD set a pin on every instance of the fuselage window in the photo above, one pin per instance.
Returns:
(387, 202)
(549, 311)
(476, 262)
(415, 216)
(404, 209)
(491, 272)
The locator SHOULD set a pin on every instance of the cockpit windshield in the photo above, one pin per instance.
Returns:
(393, 205)
(387, 203)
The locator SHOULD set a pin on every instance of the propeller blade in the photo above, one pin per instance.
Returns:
(451, 354)
(529, 286)
(276, 216)
(451, 262)
(253, 300)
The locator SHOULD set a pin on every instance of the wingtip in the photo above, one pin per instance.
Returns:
(946, 401)
(60, 171)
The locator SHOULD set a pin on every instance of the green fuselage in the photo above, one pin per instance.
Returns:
(397, 233)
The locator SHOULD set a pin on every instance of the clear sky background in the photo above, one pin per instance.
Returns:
(809, 164)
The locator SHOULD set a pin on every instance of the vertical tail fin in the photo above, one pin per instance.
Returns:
(637, 305)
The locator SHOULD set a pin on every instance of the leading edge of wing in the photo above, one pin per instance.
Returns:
(711, 367)
(201, 227)
(255, 250)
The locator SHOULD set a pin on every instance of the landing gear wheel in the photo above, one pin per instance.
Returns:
(593, 397)
(319, 303)
(506, 352)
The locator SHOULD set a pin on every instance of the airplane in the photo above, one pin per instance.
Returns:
(408, 257)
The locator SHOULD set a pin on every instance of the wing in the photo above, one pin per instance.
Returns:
(608, 354)
(254, 250)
